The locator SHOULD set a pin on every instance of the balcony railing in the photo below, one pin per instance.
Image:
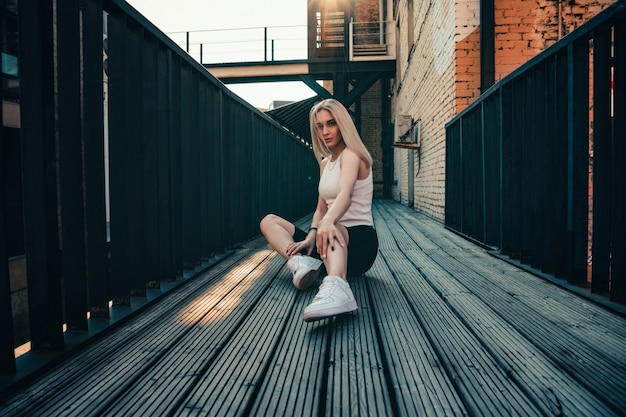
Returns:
(537, 165)
(191, 170)
(372, 41)
(368, 41)
(254, 44)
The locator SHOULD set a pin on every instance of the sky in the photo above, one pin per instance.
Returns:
(206, 21)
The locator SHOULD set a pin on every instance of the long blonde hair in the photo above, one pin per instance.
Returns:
(346, 127)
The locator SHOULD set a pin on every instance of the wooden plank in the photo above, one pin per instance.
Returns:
(227, 385)
(545, 383)
(482, 385)
(356, 380)
(296, 371)
(572, 346)
(443, 329)
(573, 338)
(212, 319)
(531, 286)
(420, 385)
(88, 376)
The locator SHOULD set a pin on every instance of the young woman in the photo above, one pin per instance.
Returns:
(342, 237)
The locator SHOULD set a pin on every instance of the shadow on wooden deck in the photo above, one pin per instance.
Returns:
(443, 329)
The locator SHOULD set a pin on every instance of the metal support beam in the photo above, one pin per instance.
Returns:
(313, 85)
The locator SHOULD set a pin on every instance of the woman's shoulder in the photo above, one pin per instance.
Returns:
(352, 160)
(355, 158)
(349, 153)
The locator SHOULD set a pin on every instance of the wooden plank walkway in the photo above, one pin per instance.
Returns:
(443, 329)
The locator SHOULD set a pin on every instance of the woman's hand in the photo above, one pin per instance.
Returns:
(297, 247)
(327, 237)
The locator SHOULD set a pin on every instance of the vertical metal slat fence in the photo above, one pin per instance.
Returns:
(191, 168)
(518, 160)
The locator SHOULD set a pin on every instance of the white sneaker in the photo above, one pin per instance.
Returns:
(305, 270)
(334, 297)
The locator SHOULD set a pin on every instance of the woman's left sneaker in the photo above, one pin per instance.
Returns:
(305, 270)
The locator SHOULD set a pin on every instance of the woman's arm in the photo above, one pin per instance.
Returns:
(309, 242)
(327, 231)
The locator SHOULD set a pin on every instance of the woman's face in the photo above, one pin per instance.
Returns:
(328, 129)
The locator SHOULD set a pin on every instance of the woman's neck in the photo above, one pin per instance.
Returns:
(336, 151)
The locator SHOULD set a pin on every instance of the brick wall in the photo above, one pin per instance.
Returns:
(467, 53)
(523, 28)
(370, 128)
(425, 89)
(366, 10)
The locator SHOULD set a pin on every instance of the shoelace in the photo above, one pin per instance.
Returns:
(326, 289)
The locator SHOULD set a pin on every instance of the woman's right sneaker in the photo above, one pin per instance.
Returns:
(305, 270)
(334, 297)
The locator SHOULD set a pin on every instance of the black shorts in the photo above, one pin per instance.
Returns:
(362, 248)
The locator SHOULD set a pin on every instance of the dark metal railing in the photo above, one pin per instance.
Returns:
(191, 167)
(536, 166)
(251, 44)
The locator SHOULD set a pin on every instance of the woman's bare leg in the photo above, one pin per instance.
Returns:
(278, 232)
(336, 261)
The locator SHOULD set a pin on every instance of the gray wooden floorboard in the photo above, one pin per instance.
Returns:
(443, 329)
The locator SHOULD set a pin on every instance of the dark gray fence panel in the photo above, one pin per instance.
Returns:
(548, 186)
(472, 195)
(150, 143)
(559, 172)
(7, 357)
(70, 165)
(39, 174)
(93, 132)
(492, 147)
(166, 258)
(119, 160)
(602, 147)
(176, 161)
(578, 158)
(454, 205)
(132, 135)
(618, 265)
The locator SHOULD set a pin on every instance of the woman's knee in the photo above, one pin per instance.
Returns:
(270, 221)
(266, 221)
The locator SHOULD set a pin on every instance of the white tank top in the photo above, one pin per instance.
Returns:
(360, 211)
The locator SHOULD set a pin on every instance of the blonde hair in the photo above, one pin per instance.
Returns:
(346, 127)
